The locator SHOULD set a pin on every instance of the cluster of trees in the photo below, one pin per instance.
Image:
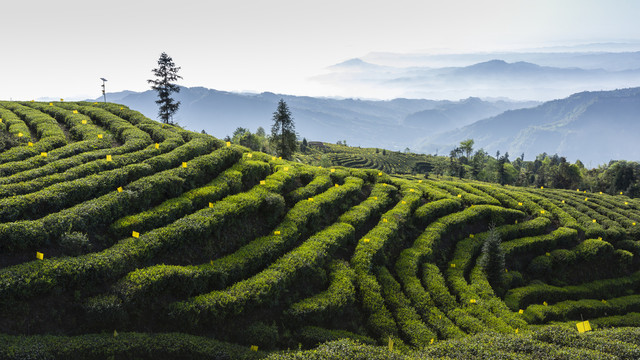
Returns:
(546, 170)
(283, 140)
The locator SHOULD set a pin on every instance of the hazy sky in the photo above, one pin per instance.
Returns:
(62, 48)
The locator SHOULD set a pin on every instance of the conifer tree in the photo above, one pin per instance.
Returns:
(283, 134)
(492, 259)
(166, 74)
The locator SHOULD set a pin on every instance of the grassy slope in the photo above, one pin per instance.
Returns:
(182, 245)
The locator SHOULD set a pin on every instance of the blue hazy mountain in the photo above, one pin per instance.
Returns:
(594, 127)
(394, 124)
(532, 76)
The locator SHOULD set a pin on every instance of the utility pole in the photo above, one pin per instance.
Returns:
(104, 94)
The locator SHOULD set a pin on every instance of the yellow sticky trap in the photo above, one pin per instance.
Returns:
(119, 189)
(254, 347)
(277, 232)
(411, 190)
(366, 240)
(585, 191)
(0, 121)
(121, 108)
(519, 204)
(578, 190)
(626, 203)
(541, 211)
(29, 143)
(634, 224)
(210, 204)
(310, 199)
(184, 164)
(459, 195)
(583, 326)
(61, 100)
(84, 122)
(453, 265)
(541, 187)
(249, 155)
(333, 170)
(375, 198)
(273, 158)
(600, 192)
(135, 234)
(39, 255)
(43, 154)
(604, 301)
(586, 199)
(95, 103)
(108, 157)
(545, 303)
(506, 270)
(286, 168)
(404, 202)
(75, 111)
(211, 262)
(337, 185)
(115, 333)
(228, 143)
(262, 182)
(594, 220)
(384, 184)
(280, 158)
(472, 301)
(384, 220)
(390, 344)
(157, 146)
(516, 330)
(620, 191)
(431, 341)
(50, 104)
(599, 237)
(520, 311)
(547, 254)
(379, 174)
(99, 136)
(563, 201)
(516, 221)
(20, 134)
(471, 236)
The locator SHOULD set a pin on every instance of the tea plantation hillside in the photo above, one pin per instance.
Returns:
(391, 162)
(124, 238)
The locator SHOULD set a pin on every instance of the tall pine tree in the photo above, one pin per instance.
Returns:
(492, 259)
(283, 134)
(166, 74)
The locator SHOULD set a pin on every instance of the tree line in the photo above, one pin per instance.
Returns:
(552, 171)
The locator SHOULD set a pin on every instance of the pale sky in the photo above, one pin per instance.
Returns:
(61, 48)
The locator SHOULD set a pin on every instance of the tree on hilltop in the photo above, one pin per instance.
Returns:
(283, 134)
(166, 73)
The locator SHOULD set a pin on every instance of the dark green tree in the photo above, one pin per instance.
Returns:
(492, 259)
(304, 145)
(283, 134)
(467, 147)
(166, 73)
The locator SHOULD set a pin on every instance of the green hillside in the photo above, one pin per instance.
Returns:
(391, 162)
(124, 238)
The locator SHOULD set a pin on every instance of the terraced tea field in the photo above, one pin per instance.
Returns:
(391, 162)
(125, 238)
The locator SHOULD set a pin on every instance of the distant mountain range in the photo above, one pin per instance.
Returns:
(394, 124)
(594, 127)
(561, 75)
